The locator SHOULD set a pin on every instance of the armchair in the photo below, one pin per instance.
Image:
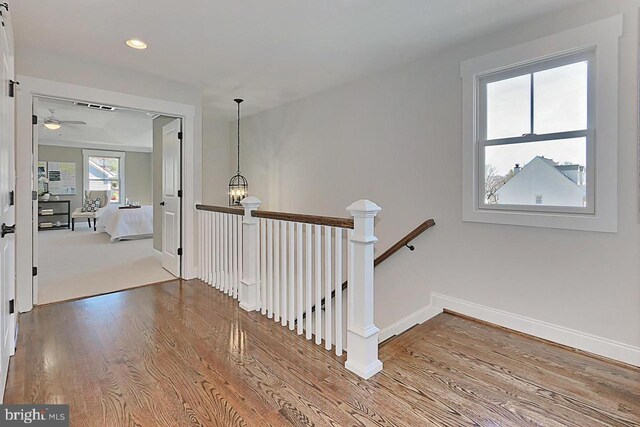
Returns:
(105, 198)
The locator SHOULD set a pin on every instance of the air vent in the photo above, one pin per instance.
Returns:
(94, 106)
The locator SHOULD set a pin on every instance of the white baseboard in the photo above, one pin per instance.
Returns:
(408, 322)
(555, 333)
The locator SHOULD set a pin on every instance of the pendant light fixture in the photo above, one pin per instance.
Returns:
(238, 185)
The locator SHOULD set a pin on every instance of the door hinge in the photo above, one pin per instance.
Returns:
(12, 87)
(179, 193)
(34, 271)
(12, 306)
(12, 198)
(179, 251)
(180, 136)
(34, 120)
(34, 195)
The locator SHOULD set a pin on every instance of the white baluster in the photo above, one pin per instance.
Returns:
(318, 282)
(210, 248)
(205, 227)
(362, 333)
(328, 286)
(218, 250)
(291, 293)
(241, 258)
(299, 284)
(270, 268)
(338, 289)
(234, 256)
(263, 266)
(230, 254)
(283, 269)
(212, 239)
(225, 251)
(308, 283)
(276, 271)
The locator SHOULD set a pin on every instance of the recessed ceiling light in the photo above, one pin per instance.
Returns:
(136, 44)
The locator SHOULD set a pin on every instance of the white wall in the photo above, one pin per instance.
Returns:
(396, 138)
(216, 165)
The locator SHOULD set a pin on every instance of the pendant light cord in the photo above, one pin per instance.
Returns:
(238, 136)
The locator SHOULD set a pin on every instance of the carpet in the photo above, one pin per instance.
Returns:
(81, 263)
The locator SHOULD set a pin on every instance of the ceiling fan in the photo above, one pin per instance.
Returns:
(54, 124)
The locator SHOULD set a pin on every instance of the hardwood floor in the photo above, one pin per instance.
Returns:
(182, 354)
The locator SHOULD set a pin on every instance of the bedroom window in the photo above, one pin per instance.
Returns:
(105, 171)
(540, 131)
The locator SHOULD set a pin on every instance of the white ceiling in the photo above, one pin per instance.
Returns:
(110, 130)
(267, 51)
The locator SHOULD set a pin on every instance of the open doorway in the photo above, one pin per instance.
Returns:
(108, 208)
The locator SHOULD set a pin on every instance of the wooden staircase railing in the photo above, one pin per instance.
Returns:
(386, 254)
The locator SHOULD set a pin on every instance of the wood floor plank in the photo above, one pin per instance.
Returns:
(183, 354)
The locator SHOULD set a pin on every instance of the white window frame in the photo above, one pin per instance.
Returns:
(120, 155)
(599, 39)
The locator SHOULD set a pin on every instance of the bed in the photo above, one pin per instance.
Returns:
(126, 224)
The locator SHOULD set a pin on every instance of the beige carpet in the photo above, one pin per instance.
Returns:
(81, 263)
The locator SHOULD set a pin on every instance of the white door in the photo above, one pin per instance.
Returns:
(171, 207)
(7, 194)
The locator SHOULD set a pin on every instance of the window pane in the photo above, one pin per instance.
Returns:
(104, 167)
(104, 185)
(509, 107)
(547, 173)
(560, 96)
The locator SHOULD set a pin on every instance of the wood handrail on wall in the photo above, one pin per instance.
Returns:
(404, 241)
(221, 209)
(386, 254)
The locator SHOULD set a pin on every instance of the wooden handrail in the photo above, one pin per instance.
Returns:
(386, 254)
(329, 221)
(404, 241)
(221, 209)
(305, 219)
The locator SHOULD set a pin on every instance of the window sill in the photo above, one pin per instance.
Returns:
(583, 222)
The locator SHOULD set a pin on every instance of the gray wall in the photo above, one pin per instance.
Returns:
(396, 138)
(138, 177)
(158, 123)
(66, 154)
(137, 172)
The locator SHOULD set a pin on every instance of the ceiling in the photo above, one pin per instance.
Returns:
(126, 130)
(269, 52)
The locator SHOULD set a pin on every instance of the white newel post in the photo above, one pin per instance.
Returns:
(250, 298)
(362, 333)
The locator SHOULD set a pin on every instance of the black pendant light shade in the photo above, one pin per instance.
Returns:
(238, 185)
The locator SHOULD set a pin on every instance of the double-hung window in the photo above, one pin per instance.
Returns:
(104, 170)
(536, 136)
(540, 131)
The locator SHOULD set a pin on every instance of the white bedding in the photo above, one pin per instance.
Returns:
(123, 224)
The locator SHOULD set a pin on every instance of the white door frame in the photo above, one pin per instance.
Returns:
(31, 87)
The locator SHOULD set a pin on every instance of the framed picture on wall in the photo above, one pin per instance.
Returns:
(62, 178)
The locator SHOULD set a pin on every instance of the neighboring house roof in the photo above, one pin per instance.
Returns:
(550, 164)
